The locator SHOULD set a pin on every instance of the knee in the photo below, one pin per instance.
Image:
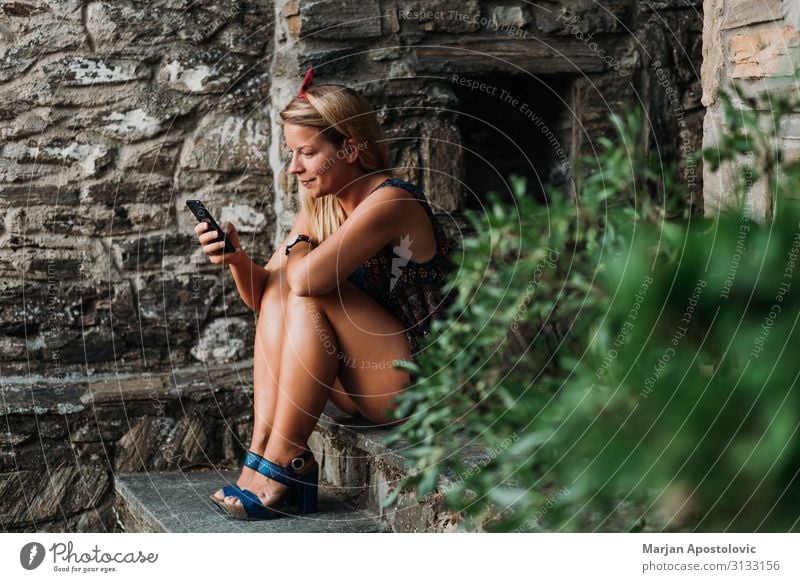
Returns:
(275, 291)
(303, 304)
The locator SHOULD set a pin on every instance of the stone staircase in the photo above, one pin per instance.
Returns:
(357, 473)
(178, 503)
(142, 452)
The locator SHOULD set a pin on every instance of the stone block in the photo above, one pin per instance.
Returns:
(87, 71)
(339, 19)
(65, 489)
(148, 252)
(583, 19)
(439, 16)
(791, 12)
(224, 340)
(32, 31)
(443, 163)
(129, 188)
(108, 219)
(204, 72)
(130, 125)
(88, 159)
(134, 452)
(514, 16)
(659, 5)
(32, 195)
(179, 299)
(153, 161)
(251, 33)
(768, 53)
(747, 12)
(227, 144)
(25, 123)
(122, 28)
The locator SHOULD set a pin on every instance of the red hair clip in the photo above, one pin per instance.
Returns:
(306, 83)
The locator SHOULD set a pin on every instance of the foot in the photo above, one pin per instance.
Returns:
(268, 490)
(243, 482)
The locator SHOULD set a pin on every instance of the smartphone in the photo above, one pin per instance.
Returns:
(203, 215)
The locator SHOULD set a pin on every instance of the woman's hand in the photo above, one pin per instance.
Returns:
(212, 246)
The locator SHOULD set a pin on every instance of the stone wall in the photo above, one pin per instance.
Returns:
(756, 45)
(62, 446)
(113, 113)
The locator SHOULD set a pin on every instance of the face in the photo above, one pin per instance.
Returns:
(321, 167)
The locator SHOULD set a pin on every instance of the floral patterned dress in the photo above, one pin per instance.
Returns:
(411, 291)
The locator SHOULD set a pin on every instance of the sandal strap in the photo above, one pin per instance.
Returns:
(229, 490)
(284, 475)
(252, 460)
(251, 504)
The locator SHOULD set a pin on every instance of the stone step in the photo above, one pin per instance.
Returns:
(355, 461)
(177, 502)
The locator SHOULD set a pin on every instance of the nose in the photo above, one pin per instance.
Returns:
(295, 165)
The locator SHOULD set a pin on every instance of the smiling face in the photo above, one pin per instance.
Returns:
(321, 167)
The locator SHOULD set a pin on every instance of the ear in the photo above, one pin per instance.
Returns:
(351, 150)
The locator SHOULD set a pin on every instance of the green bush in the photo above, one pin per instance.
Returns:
(610, 356)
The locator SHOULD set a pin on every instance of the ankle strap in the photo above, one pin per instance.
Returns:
(288, 474)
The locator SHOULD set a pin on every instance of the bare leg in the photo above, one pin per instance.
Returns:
(270, 333)
(319, 328)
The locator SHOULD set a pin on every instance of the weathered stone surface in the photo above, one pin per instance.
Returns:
(766, 53)
(25, 123)
(791, 11)
(583, 19)
(210, 71)
(122, 28)
(493, 53)
(338, 19)
(93, 71)
(440, 15)
(137, 447)
(224, 341)
(107, 220)
(252, 33)
(33, 195)
(149, 252)
(744, 12)
(64, 489)
(671, 4)
(183, 298)
(168, 502)
(32, 31)
(89, 159)
(443, 161)
(85, 426)
(131, 187)
(354, 460)
(131, 77)
(226, 143)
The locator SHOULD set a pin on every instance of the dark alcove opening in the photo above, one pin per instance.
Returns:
(507, 119)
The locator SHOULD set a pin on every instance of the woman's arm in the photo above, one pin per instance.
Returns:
(378, 220)
(251, 280)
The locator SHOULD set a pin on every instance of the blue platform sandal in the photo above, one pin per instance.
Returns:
(251, 461)
(301, 477)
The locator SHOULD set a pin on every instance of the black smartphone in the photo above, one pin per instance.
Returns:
(203, 215)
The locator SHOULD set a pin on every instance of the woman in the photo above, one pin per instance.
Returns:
(354, 287)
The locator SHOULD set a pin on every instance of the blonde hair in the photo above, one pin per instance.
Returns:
(339, 113)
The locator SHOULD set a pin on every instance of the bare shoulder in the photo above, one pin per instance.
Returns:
(391, 200)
